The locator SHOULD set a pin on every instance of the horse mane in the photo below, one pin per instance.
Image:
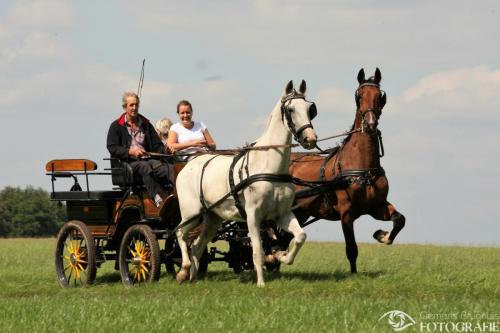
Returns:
(346, 139)
(269, 117)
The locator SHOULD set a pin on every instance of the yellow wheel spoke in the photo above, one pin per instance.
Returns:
(144, 268)
(70, 273)
(139, 264)
(131, 251)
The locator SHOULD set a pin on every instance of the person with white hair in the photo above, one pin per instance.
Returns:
(162, 127)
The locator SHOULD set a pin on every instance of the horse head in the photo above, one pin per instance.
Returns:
(370, 100)
(298, 113)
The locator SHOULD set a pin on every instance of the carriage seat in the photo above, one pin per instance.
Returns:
(122, 174)
(70, 168)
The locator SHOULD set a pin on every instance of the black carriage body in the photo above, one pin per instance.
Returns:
(92, 208)
(90, 212)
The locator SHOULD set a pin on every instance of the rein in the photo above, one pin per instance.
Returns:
(250, 147)
(269, 177)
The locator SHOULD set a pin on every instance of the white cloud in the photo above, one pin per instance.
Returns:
(467, 97)
(29, 34)
(40, 14)
(457, 86)
(34, 47)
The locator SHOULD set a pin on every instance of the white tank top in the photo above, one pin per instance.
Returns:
(194, 133)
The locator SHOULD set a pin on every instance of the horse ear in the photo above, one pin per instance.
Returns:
(289, 87)
(302, 88)
(378, 76)
(361, 76)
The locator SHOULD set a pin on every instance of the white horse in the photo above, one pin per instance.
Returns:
(206, 179)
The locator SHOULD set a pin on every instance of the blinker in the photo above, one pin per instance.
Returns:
(313, 112)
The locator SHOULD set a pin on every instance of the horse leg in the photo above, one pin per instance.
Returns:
(290, 224)
(182, 239)
(388, 213)
(183, 273)
(210, 226)
(258, 252)
(351, 248)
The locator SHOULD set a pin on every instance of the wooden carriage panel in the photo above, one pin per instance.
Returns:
(90, 212)
(102, 230)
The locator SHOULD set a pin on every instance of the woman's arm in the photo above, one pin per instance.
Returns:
(174, 145)
(209, 139)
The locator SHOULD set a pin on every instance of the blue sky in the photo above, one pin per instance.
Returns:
(64, 65)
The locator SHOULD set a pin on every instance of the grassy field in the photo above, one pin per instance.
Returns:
(317, 293)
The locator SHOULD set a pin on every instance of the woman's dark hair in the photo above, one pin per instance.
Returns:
(184, 102)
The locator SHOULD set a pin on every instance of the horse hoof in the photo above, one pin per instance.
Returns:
(270, 259)
(181, 276)
(280, 254)
(382, 236)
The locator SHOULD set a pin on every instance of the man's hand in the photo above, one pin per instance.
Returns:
(136, 152)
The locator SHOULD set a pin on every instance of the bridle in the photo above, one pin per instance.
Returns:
(377, 112)
(286, 113)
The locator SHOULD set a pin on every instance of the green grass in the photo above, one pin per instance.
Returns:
(317, 293)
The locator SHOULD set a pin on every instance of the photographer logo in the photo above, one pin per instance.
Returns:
(398, 320)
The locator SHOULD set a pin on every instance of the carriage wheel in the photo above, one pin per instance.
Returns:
(75, 255)
(139, 256)
(240, 256)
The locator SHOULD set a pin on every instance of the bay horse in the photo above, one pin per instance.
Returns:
(210, 189)
(355, 184)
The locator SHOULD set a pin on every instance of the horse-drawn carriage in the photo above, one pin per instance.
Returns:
(124, 225)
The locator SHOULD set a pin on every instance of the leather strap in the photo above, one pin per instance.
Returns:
(202, 197)
(232, 187)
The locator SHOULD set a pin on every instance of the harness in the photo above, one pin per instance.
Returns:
(269, 177)
(235, 188)
(345, 178)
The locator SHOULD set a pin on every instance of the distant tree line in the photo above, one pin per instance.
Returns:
(29, 213)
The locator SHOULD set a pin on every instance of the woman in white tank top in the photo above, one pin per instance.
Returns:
(188, 136)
